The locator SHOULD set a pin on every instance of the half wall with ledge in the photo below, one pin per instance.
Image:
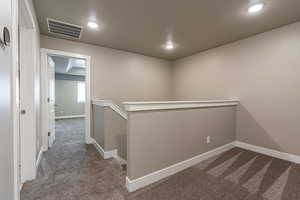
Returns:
(166, 137)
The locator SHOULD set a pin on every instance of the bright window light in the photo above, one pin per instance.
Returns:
(81, 92)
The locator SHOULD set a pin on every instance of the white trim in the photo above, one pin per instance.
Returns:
(121, 160)
(21, 186)
(105, 154)
(43, 148)
(111, 154)
(269, 152)
(38, 160)
(28, 32)
(17, 185)
(133, 185)
(89, 140)
(112, 105)
(44, 103)
(44, 54)
(69, 116)
(98, 147)
(108, 154)
(167, 105)
(88, 99)
(177, 102)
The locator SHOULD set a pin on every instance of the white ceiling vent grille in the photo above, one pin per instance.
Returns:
(63, 28)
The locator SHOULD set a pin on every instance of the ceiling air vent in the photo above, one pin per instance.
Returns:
(63, 28)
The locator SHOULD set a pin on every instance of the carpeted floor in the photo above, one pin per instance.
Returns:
(72, 170)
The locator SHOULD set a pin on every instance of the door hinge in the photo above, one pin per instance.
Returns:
(49, 133)
(48, 100)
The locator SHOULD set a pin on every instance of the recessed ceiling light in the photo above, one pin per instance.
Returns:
(169, 46)
(93, 25)
(256, 7)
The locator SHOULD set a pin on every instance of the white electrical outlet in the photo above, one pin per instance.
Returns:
(207, 139)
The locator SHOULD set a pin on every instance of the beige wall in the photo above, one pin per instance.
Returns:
(120, 75)
(98, 125)
(159, 139)
(109, 130)
(263, 72)
(66, 98)
(115, 129)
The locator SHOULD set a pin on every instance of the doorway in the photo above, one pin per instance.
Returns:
(65, 93)
(67, 97)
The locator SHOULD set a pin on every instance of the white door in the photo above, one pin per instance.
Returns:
(27, 105)
(6, 141)
(51, 101)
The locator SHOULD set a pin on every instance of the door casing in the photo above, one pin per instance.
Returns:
(28, 68)
(51, 101)
(44, 78)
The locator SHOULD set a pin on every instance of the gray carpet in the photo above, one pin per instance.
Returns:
(72, 170)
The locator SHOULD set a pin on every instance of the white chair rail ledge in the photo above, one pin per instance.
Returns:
(112, 105)
(169, 105)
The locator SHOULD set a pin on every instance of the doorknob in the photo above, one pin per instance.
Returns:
(23, 112)
(6, 38)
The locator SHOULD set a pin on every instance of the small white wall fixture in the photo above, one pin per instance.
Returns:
(44, 56)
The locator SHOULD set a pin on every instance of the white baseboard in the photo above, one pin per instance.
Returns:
(111, 154)
(39, 158)
(44, 148)
(135, 184)
(269, 152)
(121, 160)
(105, 154)
(69, 117)
(89, 140)
(21, 186)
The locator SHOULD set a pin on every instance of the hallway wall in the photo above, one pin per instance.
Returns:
(263, 72)
(120, 75)
(66, 98)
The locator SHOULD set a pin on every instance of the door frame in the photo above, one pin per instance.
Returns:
(15, 150)
(44, 79)
(15, 107)
(50, 62)
(27, 145)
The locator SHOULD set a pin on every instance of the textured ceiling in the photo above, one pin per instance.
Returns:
(144, 26)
